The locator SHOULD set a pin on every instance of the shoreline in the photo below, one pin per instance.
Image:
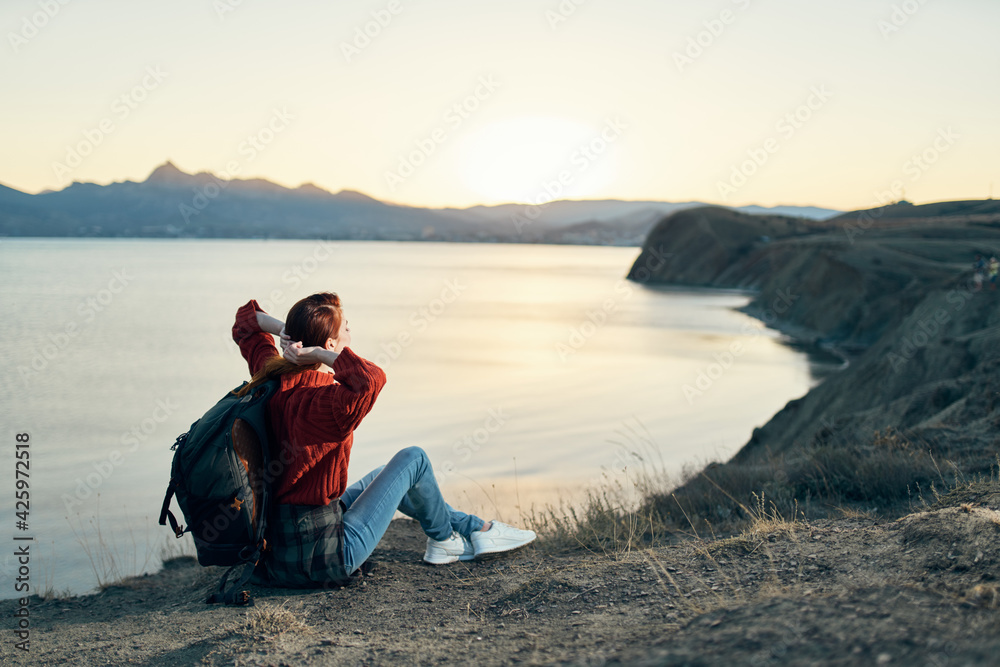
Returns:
(888, 303)
(807, 340)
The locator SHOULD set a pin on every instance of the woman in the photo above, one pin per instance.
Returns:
(322, 530)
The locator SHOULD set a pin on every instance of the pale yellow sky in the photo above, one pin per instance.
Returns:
(449, 103)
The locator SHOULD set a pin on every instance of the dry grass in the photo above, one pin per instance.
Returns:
(984, 595)
(858, 513)
(609, 521)
(889, 473)
(728, 592)
(50, 593)
(116, 555)
(618, 521)
(766, 521)
(112, 560)
(173, 548)
(737, 535)
(888, 476)
(267, 622)
(966, 488)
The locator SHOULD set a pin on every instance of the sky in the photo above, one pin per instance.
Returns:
(455, 103)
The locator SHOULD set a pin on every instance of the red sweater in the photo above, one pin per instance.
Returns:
(313, 415)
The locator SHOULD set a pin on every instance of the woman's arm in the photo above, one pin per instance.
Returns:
(256, 344)
(268, 324)
(359, 384)
(273, 325)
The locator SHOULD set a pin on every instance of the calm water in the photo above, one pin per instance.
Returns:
(526, 372)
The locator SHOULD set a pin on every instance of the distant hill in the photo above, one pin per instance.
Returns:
(569, 212)
(173, 203)
(905, 213)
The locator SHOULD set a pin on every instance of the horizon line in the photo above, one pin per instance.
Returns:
(453, 206)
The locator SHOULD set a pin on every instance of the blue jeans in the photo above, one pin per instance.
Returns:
(406, 484)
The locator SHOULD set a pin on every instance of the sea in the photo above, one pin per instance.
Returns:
(531, 374)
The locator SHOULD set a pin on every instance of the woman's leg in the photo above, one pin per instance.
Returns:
(464, 524)
(354, 490)
(406, 483)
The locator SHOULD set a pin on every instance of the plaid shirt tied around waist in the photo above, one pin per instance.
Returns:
(305, 547)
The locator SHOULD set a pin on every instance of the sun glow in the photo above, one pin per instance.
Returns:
(537, 159)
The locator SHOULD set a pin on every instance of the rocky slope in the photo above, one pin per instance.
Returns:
(893, 289)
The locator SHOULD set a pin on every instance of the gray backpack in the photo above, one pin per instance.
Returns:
(220, 475)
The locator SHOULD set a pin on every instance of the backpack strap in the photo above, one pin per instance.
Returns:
(232, 594)
(166, 514)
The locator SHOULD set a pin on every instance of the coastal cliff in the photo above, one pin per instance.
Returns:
(892, 290)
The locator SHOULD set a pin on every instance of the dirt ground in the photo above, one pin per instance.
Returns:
(920, 590)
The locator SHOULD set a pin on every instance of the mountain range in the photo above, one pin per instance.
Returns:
(171, 203)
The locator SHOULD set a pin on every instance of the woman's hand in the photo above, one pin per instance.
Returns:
(302, 356)
(294, 351)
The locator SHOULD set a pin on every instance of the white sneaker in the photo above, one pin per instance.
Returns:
(469, 551)
(448, 551)
(499, 538)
